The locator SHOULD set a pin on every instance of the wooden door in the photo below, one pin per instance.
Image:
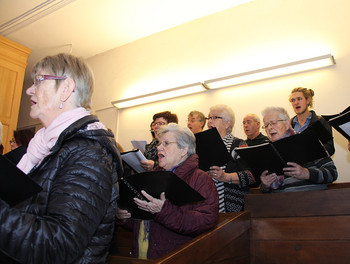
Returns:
(13, 61)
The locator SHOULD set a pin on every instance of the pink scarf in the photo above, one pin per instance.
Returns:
(40, 145)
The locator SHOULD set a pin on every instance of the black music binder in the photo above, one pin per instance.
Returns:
(154, 183)
(15, 185)
(210, 149)
(340, 122)
(273, 156)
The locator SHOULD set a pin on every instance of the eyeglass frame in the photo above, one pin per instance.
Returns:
(272, 123)
(44, 77)
(160, 123)
(165, 143)
(214, 117)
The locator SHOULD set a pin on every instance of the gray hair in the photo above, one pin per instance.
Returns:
(256, 118)
(283, 114)
(226, 112)
(201, 117)
(184, 137)
(67, 65)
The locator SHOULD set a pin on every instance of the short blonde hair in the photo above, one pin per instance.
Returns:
(67, 65)
(308, 93)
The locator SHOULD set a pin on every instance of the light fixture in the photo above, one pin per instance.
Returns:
(270, 72)
(161, 95)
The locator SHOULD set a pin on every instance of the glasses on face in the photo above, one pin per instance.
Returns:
(213, 117)
(159, 123)
(272, 123)
(165, 143)
(39, 78)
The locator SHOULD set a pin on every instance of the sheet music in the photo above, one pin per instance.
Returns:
(133, 158)
(139, 144)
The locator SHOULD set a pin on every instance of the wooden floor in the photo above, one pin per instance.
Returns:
(301, 227)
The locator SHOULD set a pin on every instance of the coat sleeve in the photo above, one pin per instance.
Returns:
(77, 200)
(323, 171)
(196, 218)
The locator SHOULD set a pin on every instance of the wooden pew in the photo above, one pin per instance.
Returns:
(227, 243)
(300, 227)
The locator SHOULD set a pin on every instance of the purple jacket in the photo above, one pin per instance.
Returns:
(175, 225)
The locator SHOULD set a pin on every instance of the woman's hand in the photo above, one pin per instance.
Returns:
(296, 171)
(217, 173)
(267, 179)
(153, 205)
(122, 214)
(147, 164)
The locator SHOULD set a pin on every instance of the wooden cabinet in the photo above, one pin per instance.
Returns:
(13, 61)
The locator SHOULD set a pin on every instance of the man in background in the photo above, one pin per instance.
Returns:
(251, 127)
(196, 121)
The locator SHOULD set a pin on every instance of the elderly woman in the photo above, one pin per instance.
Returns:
(314, 176)
(75, 160)
(173, 225)
(231, 181)
(159, 120)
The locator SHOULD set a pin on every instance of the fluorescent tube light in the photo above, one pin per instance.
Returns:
(270, 72)
(158, 96)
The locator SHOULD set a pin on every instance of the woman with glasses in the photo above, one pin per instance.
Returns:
(232, 182)
(173, 225)
(75, 159)
(314, 176)
(19, 144)
(151, 154)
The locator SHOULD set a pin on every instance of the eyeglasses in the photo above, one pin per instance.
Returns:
(271, 123)
(159, 123)
(38, 78)
(213, 117)
(165, 143)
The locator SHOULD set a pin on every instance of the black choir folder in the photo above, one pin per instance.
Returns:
(273, 156)
(154, 183)
(210, 149)
(340, 122)
(15, 185)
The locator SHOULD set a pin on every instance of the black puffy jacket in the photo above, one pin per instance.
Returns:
(72, 219)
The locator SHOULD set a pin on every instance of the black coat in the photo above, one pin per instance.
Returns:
(72, 219)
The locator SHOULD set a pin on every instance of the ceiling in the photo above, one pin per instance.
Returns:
(89, 27)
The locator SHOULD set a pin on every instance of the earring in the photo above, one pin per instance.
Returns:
(61, 105)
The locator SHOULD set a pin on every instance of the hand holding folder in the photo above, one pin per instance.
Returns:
(154, 183)
(273, 156)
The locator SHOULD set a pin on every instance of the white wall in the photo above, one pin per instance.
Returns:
(251, 36)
